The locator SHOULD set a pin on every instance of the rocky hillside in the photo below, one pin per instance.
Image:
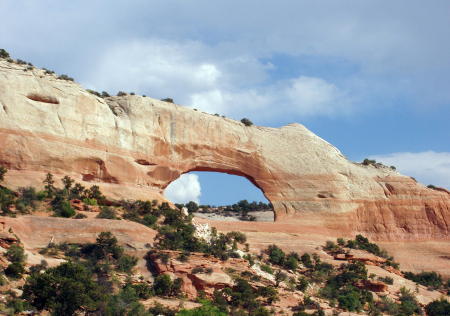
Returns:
(134, 146)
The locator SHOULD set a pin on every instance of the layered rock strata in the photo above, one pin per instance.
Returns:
(134, 146)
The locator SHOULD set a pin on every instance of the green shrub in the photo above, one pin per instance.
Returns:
(429, 279)
(3, 53)
(126, 263)
(269, 293)
(291, 263)
(302, 284)
(438, 308)
(63, 290)
(306, 260)
(350, 300)
(105, 94)
(276, 255)
(205, 310)
(408, 303)
(94, 92)
(330, 246)
(64, 209)
(3, 171)
(159, 309)
(15, 270)
(143, 290)
(17, 305)
(246, 122)
(107, 213)
(237, 236)
(121, 94)
(280, 276)
(164, 286)
(266, 268)
(88, 201)
(170, 100)
(149, 220)
(387, 280)
(16, 253)
(367, 162)
(65, 77)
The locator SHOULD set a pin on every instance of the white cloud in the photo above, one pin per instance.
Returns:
(186, 188)
(315, 96)
(197, 75)
(428, 167)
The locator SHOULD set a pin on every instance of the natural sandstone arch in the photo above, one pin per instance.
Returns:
(249, 181)
(133, 147)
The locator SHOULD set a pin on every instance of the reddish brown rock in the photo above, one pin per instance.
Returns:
(374, 286)
(133, 147)
(211, 277)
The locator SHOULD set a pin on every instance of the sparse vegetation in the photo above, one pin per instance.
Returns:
(169, 100)
(65, 77)
(93, 270)
(246, 122)
(4, 53)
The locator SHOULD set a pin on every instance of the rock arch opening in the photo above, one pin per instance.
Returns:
(220, 195)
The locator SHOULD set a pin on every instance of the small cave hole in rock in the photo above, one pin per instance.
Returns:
(220, 196)
(42, 98)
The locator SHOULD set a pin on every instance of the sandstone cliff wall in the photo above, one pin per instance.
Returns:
(134, 146)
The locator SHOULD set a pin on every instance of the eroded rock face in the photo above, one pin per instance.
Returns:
(133, 147)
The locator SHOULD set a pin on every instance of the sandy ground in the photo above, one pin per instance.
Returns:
(415, 256)
(262, 216)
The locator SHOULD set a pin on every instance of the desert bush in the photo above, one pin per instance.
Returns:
(3, 171)
(65, 77)
(94, 93)
(48, 72)
(107, 213)
(62, 208)
(105, 94)
(302, 284)
(387, 280)
(438, 308)
(207, 309)
(306, 260)
(276, 255)
(121, 94)
(196, 270)
(408, 303)
(170, 100)
(164, 286)
(63, 290)
(429, 279)
(15, 270)
(266, 268)
(126, 263)
(246, 122)
(3, 53)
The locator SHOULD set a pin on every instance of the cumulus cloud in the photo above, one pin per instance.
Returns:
(428, 167)
(213, 57)
(186, 188)
(197, 75)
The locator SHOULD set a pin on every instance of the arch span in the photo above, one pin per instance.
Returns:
(140, 145)
(221, 196)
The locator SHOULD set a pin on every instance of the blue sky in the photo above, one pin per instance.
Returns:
(370, 77)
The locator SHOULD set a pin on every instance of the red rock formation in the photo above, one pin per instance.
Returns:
(193, 283)
(133, 147)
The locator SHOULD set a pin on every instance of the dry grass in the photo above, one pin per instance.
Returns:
(42, 98)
